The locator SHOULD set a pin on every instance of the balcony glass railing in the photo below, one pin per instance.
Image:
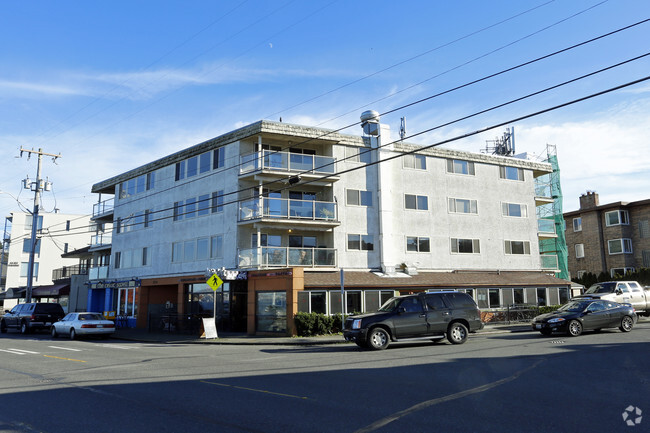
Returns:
(284, 208)
(265, 257)
(546, 226)
(284, 161)
(98, 273)
(68, 271)
(549, 261)
(103, 207)
(101, 240)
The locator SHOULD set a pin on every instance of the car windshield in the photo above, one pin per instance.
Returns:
(573, 306)
(390, 305)
(602, 288)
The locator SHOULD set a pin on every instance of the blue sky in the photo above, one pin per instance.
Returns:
(113, 85)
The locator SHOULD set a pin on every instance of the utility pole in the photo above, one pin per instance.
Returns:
(37, 186)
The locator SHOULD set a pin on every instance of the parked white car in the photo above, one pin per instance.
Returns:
(82, 324)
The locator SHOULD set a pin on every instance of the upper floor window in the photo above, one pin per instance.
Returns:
(27, 246)
(620, 246)
(418, 202)
(580, 251)
(467, 246)
(360, 242)
(218, 158)
(458, 166)
(644, 228)
(459, 205)
(617, 217)
(356, 197)
(511, 173)
(415, 161)
(137, 185)
(358, 154)
(418, 244)
(514, 210)
(517, 247)
(577, 224)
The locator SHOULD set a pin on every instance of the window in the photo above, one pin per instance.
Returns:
(180, 170)
(511, 173)
(24, 270)
(517, 247)
(189, 250)
(577, 224)
(204, 162)
(219, 158)
(616, 218)
(178, 211)
(298, 241)
(646, 258)
(216, 247)
(620, 246)
(644, 229)
(514, 210)
(204, 204)
(359, 154)
(67, 226)
(27, 246)
(146, 256)
(177, 252)
(217, 201)
(465, 246)
(118, 259)
(29, 221)
(541, 297)
(418, 244)
(580, 251)
(459, 205)
(359, 198)
(151, 180)
(418, 162)
(202, 248)
(190, 207)
(192, 167)
(458, 166)
(621, 272)
(266, 240)
(360, 242)
(418, 202)
(148, 221)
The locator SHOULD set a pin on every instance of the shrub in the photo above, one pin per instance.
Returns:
(309, 324)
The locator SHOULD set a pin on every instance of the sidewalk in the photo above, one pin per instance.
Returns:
(142, 335)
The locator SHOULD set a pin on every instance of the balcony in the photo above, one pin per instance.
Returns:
(311, 213)
(546, 228)
(68, 271)
(282, 257)
(104, 209)
(98, 273)
(280, 164)
(549, 262)
(100, 241)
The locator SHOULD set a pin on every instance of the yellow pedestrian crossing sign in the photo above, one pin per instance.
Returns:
(215, 282)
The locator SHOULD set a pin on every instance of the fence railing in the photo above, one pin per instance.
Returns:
(264, 257)
(288, 209)
(174, 323)
(67, 271)
(285, 161)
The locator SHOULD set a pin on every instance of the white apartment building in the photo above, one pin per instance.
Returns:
(57, 234)
(277, 210)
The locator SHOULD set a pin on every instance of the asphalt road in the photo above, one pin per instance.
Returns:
(517, 382)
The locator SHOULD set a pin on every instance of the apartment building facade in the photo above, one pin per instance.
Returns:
(613, 238)
(277, 209)
(57, 234)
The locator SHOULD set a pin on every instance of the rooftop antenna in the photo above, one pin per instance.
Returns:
(504, 146)
(402, 128)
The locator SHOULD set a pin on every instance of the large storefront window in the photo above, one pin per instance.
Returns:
(271, 309)
(200, 299)
(127, 304)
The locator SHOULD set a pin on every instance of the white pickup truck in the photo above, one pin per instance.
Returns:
(624, 292)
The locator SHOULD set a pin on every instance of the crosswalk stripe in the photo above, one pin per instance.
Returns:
(10, 351)
(22, 350)
(65, 348)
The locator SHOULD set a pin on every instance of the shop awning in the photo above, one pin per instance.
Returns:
(15, 293)
(51, 291)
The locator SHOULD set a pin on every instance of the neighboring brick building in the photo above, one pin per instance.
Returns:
(612, 238)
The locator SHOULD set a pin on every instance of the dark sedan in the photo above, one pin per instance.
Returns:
(586, 314)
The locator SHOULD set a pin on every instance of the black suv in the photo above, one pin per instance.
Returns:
(430, 315)
(35, 315)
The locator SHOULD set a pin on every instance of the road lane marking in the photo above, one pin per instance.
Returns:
(65, 359)
(255, 390)
(10, 351)
(25, 351)
(65, 348)
(115, 346)
(425, 404)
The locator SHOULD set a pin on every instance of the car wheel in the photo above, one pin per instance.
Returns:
(626, 324)
(73, 334)
(575, 328)
(546, 332)
(3, 327)
(24, 329)
(378, 339)
(457, 333)
(53, 332)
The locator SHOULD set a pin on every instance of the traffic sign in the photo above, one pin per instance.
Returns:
(214, 282)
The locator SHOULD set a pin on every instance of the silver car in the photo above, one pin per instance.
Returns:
(82, 324)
